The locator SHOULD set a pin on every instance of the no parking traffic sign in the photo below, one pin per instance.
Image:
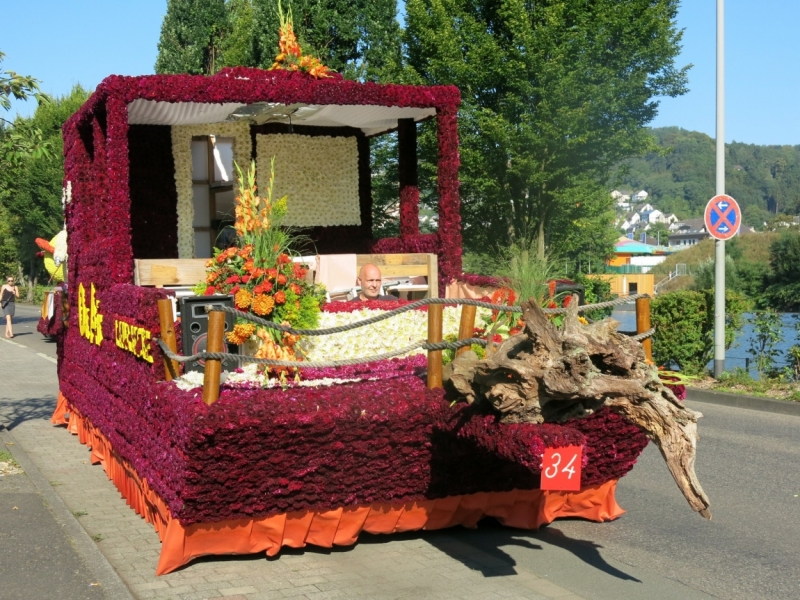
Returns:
(723, 217)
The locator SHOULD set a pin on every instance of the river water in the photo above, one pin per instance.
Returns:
(736, 355)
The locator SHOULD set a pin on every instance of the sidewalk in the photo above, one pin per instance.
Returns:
(414, 565)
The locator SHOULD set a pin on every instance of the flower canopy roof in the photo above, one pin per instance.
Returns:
(116, 149)
(269, 96)
(372, 120)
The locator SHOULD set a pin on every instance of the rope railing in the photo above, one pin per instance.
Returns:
(432, 345)
(272, 362)
(412, 306)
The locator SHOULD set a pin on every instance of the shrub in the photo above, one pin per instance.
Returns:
(684, 322)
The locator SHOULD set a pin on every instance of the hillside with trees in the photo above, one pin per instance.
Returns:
(764, 180)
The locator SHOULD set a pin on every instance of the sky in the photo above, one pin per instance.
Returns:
(64, 42)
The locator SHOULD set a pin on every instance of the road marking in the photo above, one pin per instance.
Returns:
(44, 356)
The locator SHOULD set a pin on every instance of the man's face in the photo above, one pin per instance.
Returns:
(370, 282)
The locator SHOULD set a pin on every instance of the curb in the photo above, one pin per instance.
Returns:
(112, 585)
(780, 407)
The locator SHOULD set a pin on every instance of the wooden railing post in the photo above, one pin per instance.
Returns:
(467, 327)
(643, 324)
(213, 368)
(167, 322)
(434, 335)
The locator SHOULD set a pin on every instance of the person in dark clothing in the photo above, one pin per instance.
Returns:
(8, 297)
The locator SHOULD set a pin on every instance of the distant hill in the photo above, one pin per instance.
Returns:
(765, 180)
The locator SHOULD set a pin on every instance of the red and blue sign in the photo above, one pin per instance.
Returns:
(723, 217)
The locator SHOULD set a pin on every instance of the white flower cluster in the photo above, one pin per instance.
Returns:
(250, 377)
(319, 175)
(378, 338)
(182, 154)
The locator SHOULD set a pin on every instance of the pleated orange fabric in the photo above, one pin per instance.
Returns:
(59, 414)
(524, 509)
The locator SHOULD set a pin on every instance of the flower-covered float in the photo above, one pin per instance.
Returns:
(319, 457)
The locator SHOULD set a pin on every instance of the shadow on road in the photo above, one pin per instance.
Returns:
(14, 412)
(585, 550)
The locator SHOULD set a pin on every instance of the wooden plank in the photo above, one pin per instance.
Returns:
(169, 271)
(404, 270)
(391, 259)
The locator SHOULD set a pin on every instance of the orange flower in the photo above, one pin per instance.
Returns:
(243, 299)
(231, 252)
(241, 333)
(262, 304)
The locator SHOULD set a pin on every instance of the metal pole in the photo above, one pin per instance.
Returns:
(719, 267)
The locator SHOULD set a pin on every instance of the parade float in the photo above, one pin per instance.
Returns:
(318, 455)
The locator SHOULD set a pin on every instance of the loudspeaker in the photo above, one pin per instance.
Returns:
(194, 329)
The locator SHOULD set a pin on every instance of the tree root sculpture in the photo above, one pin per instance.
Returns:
(551, 374)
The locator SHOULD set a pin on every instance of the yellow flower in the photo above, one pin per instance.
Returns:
(242, 299)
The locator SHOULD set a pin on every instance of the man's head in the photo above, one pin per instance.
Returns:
(369, 278)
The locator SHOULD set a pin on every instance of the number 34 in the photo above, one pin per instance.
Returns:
(561, 468)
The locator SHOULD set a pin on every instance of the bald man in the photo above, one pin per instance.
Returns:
(369, 278)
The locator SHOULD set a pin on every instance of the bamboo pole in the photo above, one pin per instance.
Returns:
(467, 327)
(434, 335)
(643, 324)
(213, 368)
(167, 322)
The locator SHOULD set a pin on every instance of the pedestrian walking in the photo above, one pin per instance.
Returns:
(8, 301)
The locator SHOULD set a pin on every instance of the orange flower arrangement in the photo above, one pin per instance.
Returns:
(290, 57)
(261, 276)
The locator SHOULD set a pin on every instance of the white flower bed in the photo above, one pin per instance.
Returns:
(318, 174)
(379, 338)
(250, 377)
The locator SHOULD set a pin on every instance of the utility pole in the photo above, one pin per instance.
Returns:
(719, 266)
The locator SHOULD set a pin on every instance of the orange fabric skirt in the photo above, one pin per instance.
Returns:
(524, 509)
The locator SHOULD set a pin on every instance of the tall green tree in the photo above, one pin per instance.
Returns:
(14, 85)
(30, 188)
(239, 48)
(783, 289)
(554, 93)
(360, 39)
(192, 35)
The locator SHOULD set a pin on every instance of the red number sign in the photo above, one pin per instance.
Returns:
(561, 469)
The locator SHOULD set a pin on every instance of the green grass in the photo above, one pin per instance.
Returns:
(6, 457)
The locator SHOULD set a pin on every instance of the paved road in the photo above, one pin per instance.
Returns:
(749, 465)
(660, 549)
